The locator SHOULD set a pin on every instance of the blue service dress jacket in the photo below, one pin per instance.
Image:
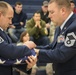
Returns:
(12, 52)
(62, 52)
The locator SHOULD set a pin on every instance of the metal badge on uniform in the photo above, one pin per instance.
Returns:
(1, 40)
(60, 39)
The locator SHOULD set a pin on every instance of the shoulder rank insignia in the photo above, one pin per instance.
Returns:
(70, 39)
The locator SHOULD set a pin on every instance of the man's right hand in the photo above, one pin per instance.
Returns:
(21, 23)
(30, 44)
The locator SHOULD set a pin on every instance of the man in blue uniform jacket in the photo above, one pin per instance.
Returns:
(9, 50)
(62, 52)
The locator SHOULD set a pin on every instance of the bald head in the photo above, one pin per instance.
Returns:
(4, 6)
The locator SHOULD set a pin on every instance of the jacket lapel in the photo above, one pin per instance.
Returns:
(68, 23)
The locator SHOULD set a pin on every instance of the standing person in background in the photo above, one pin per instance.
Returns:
(62, 52)
(18, 22)
(8, 50)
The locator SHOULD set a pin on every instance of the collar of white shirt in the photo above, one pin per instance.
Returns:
(1, 28)
(61, 27)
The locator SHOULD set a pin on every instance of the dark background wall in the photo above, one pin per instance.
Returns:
(74, 1)
(29, 6)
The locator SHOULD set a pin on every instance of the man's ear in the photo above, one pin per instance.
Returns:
(63, 10)
(0, 14)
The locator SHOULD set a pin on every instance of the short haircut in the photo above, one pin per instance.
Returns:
(61, 3)
(71, 1)
(3, 7)
(36, 13)
(18, 3)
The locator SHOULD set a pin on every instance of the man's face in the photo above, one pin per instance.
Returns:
(45, 9)
(37, 17)
(18, 8)
(6, 19)
(72, 6)
(26, 38)
(55, 13)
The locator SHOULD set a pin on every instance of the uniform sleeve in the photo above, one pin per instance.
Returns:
(23, 68)
(45, 47)
(62, 53)
(11, 51)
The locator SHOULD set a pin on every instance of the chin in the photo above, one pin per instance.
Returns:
(5, 28)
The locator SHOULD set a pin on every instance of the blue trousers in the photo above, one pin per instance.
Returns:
(41, 41)
(15, 33)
